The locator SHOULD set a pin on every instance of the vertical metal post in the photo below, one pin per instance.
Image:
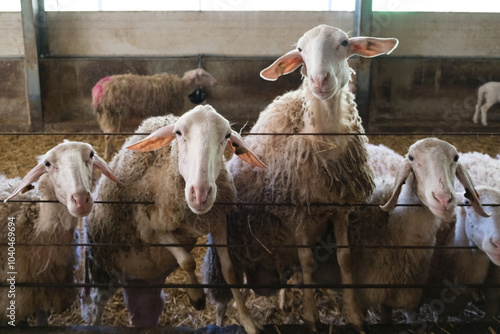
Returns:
(32, 76)
(40, 20)
(362, 27)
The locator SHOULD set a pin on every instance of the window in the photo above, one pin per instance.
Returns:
(10, 6)
(196, 5)
(475, 6)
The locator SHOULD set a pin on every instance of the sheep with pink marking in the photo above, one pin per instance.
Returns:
(118, 99)
(66, 174)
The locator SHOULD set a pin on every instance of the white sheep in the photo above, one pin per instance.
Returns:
(383, 161)
(426, 177)
(306, 169)
(67, 174)
(461, 266)
(183, 179)
(488, 94)
(117, 99)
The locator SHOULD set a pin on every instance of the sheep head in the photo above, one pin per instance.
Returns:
(199, 77)
(433, 165)
(202, 135)
(323, 52)
(484, 232)
(70, 169)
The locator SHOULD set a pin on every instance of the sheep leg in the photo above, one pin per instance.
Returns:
(351, 308)
(94, 300)
(188, 264)
(386, 314)
(484, 112)
(219, 236)
(306, 258)
(41, 318)
(144, 304)
(476, 113)
(108, 151)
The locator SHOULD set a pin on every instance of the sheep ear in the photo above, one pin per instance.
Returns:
(470, 192)
(371, 46)
(401, 176)
(240, 148)
(32, 176)
(101, 165)
(157, 139)
(283, 65)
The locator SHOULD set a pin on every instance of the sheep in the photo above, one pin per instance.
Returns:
(488, 94)
(183, 210)
(483, 169)
(117, 99)
(460, 266)
(383, 161)
(424, 177)
(67, 173)
(307, 169)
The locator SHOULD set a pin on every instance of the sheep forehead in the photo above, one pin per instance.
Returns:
(323, 33)
(204, 118)
(68, 150)
(433, 149)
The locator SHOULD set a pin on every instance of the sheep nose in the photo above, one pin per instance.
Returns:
(200, 194)
(80, 199)
(495, 242)
(443, 198)
(319, 79)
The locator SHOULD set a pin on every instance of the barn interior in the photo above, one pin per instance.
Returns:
(50, 60)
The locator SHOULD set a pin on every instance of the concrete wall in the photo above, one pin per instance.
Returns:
(441, 58)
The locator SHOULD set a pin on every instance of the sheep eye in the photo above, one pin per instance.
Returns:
(227, 136)
(455, 158)
(300, 50)
(344, 43)
(410, 157)
(91, 155)
(47, 163)
(178, 133)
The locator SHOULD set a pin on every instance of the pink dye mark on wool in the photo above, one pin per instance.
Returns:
(97, 91)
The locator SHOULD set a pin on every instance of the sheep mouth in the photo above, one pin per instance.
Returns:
(80, 212)
(445, 214)
(200, 209)
(494, 256)
(324, 95)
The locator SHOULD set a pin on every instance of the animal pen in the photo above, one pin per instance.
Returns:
(425, 88)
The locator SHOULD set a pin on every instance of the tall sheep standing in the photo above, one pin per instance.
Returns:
(183, 179)
(487, 95)
(119, 98)
(306, 169)
(67, 174)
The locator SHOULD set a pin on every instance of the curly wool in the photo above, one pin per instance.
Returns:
(150, 177)
(37, 264)
(121, 97)
(338, 166)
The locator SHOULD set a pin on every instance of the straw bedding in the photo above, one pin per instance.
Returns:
(19, 156)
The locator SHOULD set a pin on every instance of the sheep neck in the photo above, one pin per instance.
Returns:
(324, 116)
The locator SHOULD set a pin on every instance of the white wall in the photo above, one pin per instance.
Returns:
(247, 33)
(11, 35)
